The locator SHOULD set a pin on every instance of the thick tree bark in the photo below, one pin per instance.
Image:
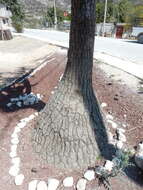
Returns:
(70, 132)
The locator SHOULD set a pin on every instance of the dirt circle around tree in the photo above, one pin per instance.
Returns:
(123, 104)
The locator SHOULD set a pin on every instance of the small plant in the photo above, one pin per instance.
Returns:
(120, 161)
(99, 157)
(17, 25)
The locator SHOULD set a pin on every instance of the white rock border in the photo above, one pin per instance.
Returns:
(52, 183)
(15, 160)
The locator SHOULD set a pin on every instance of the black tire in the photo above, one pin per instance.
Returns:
(140, 38)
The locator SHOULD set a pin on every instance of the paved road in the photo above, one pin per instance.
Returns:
(124, 54)
(123, 49)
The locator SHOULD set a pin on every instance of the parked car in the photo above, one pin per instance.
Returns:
(137, 32)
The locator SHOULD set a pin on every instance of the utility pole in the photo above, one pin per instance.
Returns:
(105, 15)
(55, 15)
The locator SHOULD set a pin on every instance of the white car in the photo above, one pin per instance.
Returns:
(138, 33)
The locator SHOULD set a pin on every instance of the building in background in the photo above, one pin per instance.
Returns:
(5, 23)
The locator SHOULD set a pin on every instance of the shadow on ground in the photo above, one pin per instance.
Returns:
(135, 175)
(7, 78)
(133, 41)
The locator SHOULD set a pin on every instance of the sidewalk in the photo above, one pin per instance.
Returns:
(19, 55)
(127, 66)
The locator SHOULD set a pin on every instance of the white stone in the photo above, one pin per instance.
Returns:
(36, 113)
(52, 92)
(13, 148)
(109, 117)
(29, 101)
(140, 147)
(139, 160)
(108, 165)
(21, 124)
(16, 161)
(14, 99)
(14, 171)
(14, 141)
(36, 100)
(33, 185)
(32, 100)
(17, 130)
(13, 154)
(31, 117)
(42, 186)
(39, 96)
(20, 97)
(89, 175)
(121, 137)
(81, 184)
(114, 125)
(19, 179)
(19, 104)
(23, 120)
(119, 144)
(139, 155)
(68, 182)
(110, 137)
(103, 105)
(26, 103)
(53, 184)
(27, 119)
(24, 97)
(14, 135)
(9, 104)
(124, 125)
(120, 130)
(61, 77)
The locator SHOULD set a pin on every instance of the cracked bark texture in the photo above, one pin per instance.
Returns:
(70, 132)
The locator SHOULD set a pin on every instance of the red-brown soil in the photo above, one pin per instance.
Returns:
(120, 101)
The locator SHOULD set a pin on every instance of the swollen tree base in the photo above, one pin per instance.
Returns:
(65, 132)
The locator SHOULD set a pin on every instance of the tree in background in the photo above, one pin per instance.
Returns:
(70, 131)
(49, 16)
(137, 16)
(130, 13)
(117, 12)
(112, 9)
(125, 10)
(17, 13)
(99, 12)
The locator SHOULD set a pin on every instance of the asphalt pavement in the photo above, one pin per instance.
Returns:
(121, 53)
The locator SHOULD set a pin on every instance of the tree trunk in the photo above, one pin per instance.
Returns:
(70, 132)
(5, 35)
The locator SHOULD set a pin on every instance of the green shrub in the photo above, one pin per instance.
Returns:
(18, 27)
